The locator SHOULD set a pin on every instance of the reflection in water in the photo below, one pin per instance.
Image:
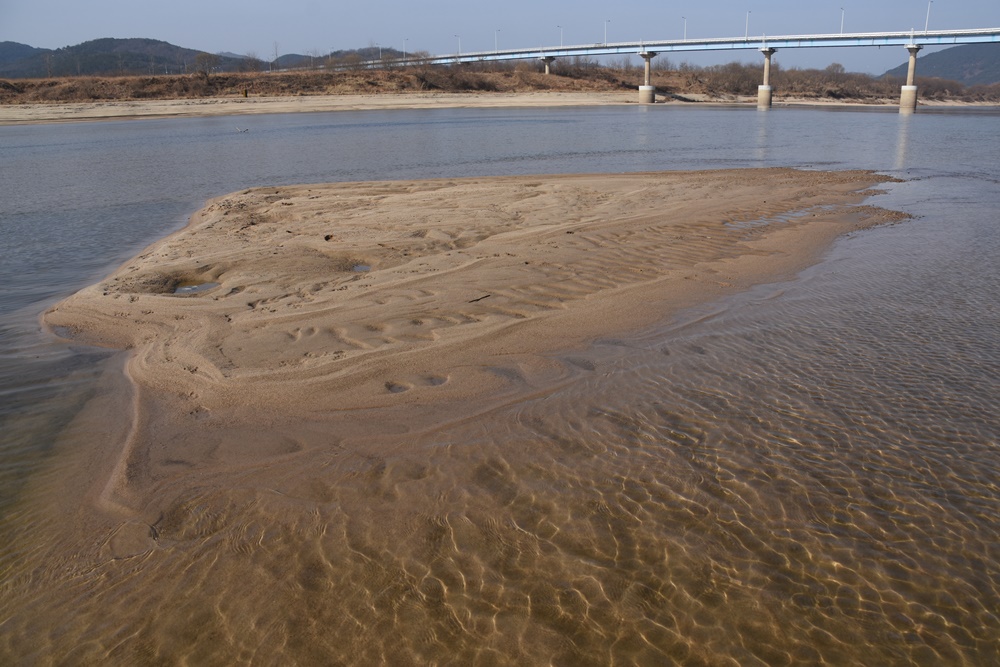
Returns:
(760, 154)
(902, 139)
(644, 137)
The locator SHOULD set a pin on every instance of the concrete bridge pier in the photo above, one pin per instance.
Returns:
(548, 60)
(647, 92)
(764, 90)
(908, 94)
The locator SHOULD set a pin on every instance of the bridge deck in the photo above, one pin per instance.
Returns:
(909, 38)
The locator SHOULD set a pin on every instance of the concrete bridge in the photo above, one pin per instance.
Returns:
(912, 41)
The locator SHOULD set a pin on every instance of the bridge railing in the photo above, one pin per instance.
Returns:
(902, 38)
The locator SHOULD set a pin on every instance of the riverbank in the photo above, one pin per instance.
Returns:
(223, 106)
(18, 114)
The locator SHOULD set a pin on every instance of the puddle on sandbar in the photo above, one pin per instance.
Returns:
(184, 290)
(361, 268)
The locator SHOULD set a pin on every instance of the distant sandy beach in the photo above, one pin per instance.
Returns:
(221, 106)
(49, 113)
(423, 301)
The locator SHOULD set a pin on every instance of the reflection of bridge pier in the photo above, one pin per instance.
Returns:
(647, 92)
(764, 90)
(908, 94)
(902, 142)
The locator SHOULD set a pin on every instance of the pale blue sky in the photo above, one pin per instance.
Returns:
(304, 26)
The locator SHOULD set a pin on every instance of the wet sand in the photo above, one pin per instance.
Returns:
(340, 342)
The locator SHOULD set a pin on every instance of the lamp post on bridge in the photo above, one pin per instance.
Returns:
(496, 37)
(746, 34)
(684, 18)
(459, 38)
(560, 36)
(841, 20)
(606, 22)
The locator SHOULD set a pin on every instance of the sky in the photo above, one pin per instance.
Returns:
(314, 27)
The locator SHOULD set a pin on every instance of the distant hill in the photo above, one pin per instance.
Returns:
(12, 52)
(970, 64)
(109, 57)
(103, 57)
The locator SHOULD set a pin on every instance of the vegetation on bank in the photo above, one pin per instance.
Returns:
(568, 75)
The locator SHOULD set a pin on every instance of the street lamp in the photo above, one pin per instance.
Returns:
(606, 31)
(841, 20)
(927, 21)
(685, 28)
(496, 38)
(560, 35)
(459, 37)
(746, 35)
(404, 49)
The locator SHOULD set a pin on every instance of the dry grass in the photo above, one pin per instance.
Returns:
(317, 82)
(569, 75)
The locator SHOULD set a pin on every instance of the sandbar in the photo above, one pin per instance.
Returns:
(370, 423)
(385, 308)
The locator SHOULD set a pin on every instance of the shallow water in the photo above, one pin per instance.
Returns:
(805, 473)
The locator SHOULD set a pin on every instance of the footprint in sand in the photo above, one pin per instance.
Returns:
(299, 333)
(584, 364)
(396, 387)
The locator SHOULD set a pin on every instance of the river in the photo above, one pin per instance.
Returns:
(805, 473)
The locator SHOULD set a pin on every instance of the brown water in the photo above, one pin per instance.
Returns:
(803, 474)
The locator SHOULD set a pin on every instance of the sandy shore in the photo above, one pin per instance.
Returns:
(137, 109)
(418, 303)
(50, 113)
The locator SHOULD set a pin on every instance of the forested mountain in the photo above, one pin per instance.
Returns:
(12, 52)
(109, 57)
(970, 64)
(105, 57)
